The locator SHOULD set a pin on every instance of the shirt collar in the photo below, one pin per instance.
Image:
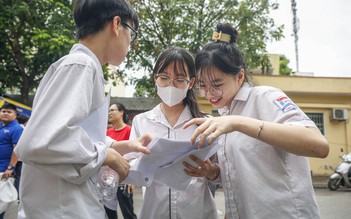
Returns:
(78, 47)
(14, 122)
(242, 95)
(157, 115)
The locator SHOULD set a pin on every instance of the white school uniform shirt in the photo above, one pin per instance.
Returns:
(261, 181)
(59, 149)
(159, 200)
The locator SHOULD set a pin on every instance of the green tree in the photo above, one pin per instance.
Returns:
(283, 66)
(189, 24)
(33, 34)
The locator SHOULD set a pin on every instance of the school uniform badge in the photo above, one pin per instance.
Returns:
(285, 104)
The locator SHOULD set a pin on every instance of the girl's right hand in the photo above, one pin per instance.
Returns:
(210, 128)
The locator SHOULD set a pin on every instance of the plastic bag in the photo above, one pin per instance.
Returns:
(8, 193)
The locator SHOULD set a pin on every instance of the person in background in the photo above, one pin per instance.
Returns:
(120, 131)
(10, 133)
(267, 138)
(63, 146)
(22, 120)
(174, 77)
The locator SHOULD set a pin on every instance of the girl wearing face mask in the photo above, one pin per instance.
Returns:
(174, 77)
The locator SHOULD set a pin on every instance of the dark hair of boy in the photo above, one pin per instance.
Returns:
(91, 16)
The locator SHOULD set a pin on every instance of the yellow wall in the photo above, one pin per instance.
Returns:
(316, 94)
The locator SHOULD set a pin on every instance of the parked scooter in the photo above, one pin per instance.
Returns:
(342, 175)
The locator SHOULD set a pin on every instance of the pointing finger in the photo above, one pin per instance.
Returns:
(195, 121)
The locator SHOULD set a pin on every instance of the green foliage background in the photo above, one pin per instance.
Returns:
(283, 66)
(35, 33)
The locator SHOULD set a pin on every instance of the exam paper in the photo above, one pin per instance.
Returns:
(165, 163)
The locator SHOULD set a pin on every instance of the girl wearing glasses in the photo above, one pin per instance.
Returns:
(263, 165)
(174, 77)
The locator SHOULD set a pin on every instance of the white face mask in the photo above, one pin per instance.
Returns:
(171, 95)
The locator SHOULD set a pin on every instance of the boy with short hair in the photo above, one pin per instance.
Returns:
(63, 144)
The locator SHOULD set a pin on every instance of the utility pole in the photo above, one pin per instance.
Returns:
(295, 30)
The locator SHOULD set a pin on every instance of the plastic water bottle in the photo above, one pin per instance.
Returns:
(107, 183)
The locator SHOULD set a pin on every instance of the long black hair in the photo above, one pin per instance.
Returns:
(121, 108)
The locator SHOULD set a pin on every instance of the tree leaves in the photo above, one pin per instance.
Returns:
(35, 33)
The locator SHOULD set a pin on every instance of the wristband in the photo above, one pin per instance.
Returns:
(260, 129)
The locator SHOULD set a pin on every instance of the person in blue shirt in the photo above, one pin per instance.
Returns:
(10, 132)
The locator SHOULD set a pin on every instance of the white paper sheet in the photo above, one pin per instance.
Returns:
(165, 163)
(96, 122)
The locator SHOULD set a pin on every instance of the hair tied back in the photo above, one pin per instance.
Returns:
(221, 37)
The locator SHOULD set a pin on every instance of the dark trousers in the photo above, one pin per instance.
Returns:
(111, 214)
(18, 171)
(125, 202)
(2, 215)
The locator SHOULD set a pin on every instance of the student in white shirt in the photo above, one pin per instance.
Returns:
(174, 77)
(64, 142)
(263, 163)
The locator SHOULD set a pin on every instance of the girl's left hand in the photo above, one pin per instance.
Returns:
(205, 169)
(130, 188)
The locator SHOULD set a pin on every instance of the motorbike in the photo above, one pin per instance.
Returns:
(342, 174)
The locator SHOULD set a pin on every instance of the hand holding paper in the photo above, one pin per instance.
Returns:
(165, 163)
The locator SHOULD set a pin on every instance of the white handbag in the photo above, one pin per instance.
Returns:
(8, 193)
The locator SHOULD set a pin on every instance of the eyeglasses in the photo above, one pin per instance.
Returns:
(133, 33)
(202, 91)
(165, 80)
(111, 110)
